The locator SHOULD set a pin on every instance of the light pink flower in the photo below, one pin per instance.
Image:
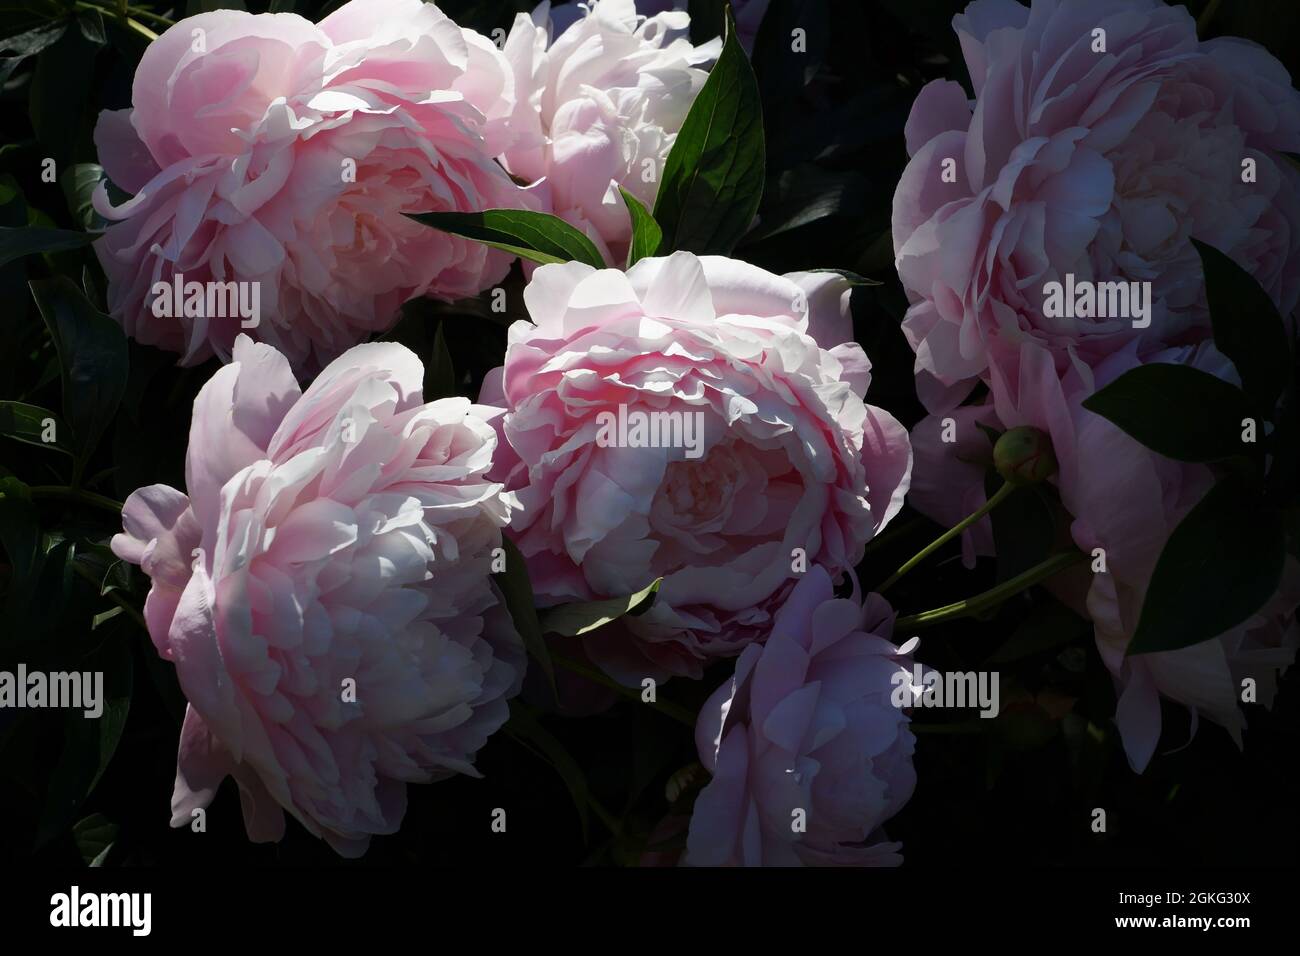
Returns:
(1126, 500)
(266, 149)
(602, 94)
(324, 591)
(808, 752)
(1100, 165)
(789, 466)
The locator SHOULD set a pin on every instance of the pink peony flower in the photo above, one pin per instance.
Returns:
(1127, 500)
(324, 592)
(1103, 135)
(767, 459)
(808, 753)
(267, 150)
(602, 94)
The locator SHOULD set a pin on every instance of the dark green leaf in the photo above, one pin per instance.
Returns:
(20, 535)
(79, 184)
(517, 591)
(92, 26)
(1247, 326)
(713, 178)
(26, 423)
(28, 240)
(521, 232)
(93, 356)
(851, 277)
(524, 727)
(1178, 411)
(440, 376)
(27, 44)
(1220, 566)
(646, 234)
(1023, 528)
(574, 620)
(88, 744)
(94, 837)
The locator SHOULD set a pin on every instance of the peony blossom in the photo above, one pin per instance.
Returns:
(280, 154)
(1126, 500)
(1075, 163)
(324, 591)
(767, 459)
(602, 94)
(808, 752)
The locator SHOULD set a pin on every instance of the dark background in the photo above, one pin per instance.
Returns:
(1012, 792)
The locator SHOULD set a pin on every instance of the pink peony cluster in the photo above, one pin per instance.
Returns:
(1103, 136)
(282, 155)
(324, 591)
(699, 420)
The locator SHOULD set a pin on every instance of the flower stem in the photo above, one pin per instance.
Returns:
(993, 596)
(996, 499)
(78, 495)
(679, 714)
(121, 11)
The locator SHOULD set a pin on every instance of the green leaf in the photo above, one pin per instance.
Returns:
(88, 744)
(1247, 326)
(1024, 528)
(713, 177)
(79, 183)
(1178, 411)
(1220, 566)
(92, 26)
(574, 620)
(852, 278)
(94, 837)
(440, 376)
(535, 738)
(26, 423)
(27, 44)
(16, 242)
(93, 358)
(517, 591)
(20, 536)
(646, 234)
(521, 232)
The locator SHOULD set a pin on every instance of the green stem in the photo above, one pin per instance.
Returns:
(679, 714)
(78, 495)
(993, 596)
(121, 14)
(996, 499)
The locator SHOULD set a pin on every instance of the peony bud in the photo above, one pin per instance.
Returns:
(1024, 456)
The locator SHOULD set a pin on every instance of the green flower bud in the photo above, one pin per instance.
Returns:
(1024, 456)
